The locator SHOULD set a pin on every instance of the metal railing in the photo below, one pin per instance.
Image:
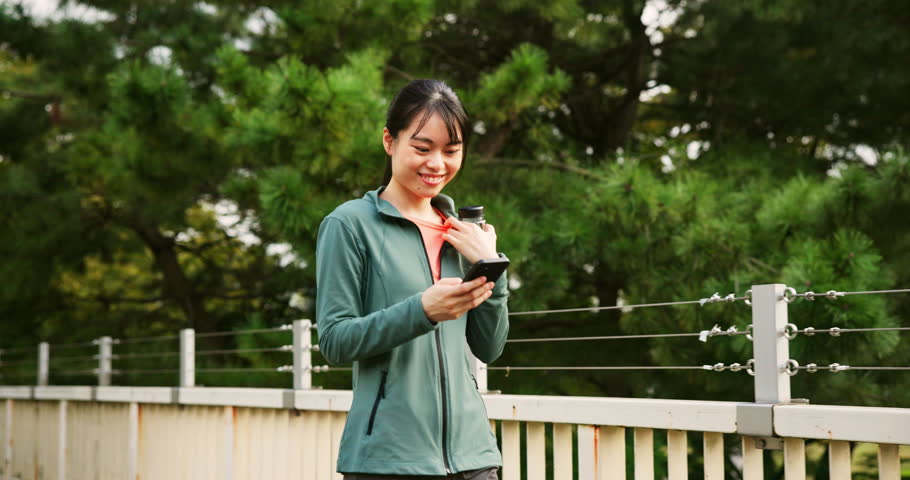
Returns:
(563, 437)
(769, 350)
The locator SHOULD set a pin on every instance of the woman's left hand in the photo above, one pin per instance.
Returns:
(470, 240)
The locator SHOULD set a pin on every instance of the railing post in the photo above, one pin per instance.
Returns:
(303, 355)
(478, 369)
(8, 440)
(771, 347)
(43, 361)
(187, 357)
(104, 361)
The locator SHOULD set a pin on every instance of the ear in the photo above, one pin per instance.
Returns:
(387, 141)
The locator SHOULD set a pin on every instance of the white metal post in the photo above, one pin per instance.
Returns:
(8, 441)
(43, 361)
(478, 369)
(187, 357)
(61, 440)
(770, 346)
(303, 355)
(104, 361)
(132, 442)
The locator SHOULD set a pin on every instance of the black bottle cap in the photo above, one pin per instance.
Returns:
(471, 212)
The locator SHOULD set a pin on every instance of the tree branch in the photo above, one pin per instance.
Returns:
(531, 163)
(47, 97)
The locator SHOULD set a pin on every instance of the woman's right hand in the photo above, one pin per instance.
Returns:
(450, 298)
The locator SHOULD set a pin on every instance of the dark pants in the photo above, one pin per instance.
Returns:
(482, 474)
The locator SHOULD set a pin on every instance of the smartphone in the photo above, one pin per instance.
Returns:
(492, 269)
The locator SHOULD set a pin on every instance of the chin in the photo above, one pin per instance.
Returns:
(427, 191)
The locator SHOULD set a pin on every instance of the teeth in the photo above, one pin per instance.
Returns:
(432, 178)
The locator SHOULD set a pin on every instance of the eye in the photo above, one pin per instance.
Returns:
(421, 149)
(452, 152)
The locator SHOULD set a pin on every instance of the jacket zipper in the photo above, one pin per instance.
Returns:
(379, 395)
(442, 371)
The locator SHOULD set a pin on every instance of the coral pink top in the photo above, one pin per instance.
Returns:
(432, 240)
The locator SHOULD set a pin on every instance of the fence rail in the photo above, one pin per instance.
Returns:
(559, 437)
(586, 435)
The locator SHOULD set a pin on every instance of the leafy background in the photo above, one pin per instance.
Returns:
(165, 165)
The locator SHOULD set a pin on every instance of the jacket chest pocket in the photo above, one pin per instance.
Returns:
(380, 394)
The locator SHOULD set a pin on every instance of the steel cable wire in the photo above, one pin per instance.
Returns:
(286, 348)
(148, 339)
(283, 328)
(699, 367)
(144, 355)
(615, 337)
(703, 301)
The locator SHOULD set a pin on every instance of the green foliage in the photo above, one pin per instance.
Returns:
(143, 186)
(520, 83)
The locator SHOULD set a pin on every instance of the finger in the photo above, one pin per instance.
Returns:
(454, 223)
(489, 228)
(474, 302)
(482, 298)
(475, 292)
(467, 287)
(452, 233)
(456, 241)
(449, 281)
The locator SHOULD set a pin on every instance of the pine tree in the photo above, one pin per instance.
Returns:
(620, 162)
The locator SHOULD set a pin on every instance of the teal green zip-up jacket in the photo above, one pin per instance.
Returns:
(416, 408)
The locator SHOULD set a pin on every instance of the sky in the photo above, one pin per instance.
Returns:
(48, 8)
(655, 13)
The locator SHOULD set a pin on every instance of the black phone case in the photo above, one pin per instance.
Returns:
(492, 269)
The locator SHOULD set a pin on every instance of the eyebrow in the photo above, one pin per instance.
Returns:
(427, 140)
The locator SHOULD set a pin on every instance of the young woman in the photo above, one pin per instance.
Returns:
(390, 299)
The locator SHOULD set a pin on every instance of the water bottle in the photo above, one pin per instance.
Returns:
(472, 214)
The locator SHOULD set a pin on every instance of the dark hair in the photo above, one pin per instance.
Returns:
(429, 97)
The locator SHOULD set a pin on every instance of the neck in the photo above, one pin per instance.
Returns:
(408, 204)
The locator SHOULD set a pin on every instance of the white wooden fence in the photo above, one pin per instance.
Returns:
(106, 432)
(243, 433)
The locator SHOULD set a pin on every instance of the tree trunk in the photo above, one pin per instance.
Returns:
(177, 285)
(621, 120)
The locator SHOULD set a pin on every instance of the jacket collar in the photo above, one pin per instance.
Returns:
(441, 202)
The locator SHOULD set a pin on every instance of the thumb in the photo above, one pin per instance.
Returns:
(449, 281)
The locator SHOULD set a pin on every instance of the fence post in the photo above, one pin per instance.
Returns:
(187, 357)
(770, 346)
(303, 355)
(478, 369)
(43, 360)
(104, 361)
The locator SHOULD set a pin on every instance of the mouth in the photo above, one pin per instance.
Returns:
(431, 179)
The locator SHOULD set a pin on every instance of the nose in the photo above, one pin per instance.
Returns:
(435, 161)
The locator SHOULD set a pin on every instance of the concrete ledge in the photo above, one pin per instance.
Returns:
(627, 412)
(857, 424)
(64, 393)
(323, 400)
(865, 424)
(237, 397)
(17, 392)
(134, 394)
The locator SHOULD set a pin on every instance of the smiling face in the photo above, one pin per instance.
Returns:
(424, 159)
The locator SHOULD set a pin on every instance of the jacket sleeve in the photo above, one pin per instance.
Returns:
(347, 333)
(488, 323)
